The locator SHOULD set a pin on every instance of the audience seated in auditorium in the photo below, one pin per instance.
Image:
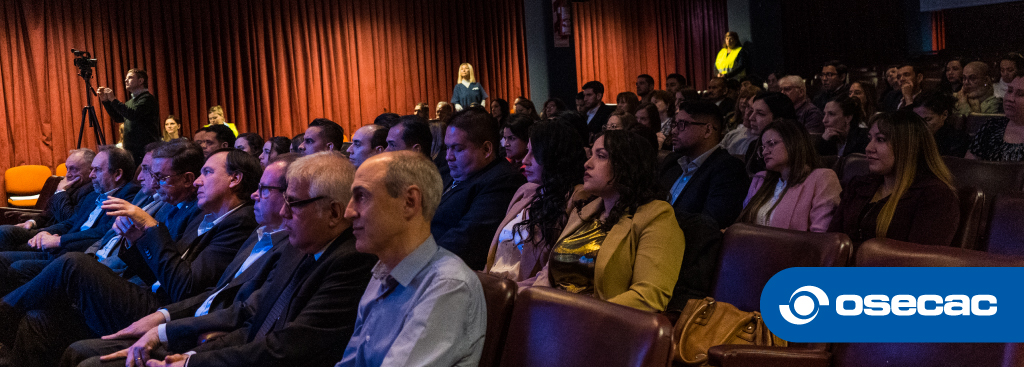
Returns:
(444, 111)
(627, 102)
(717, 94)
(701, 176)
(214, 137)
(1001, 139)
(833, 83)
(525, 107)
(172, 128)
(387, 119)
(500, 111)
(553, 107)
(644, 87)
(977, 94)
(322, 135)
(216, 116)
(908, 195)
(423, 306)
(540, 208)
(675, 82)
(953, 77)
(766, 107)
(297, 142)
(437, 147)
(807, 113)
(623, 245)
(937, 111)
(249, 143)
(105, 302)
(890, 87)
(580, 104)
(247, 272)
(515, 135)
(411, 133)
(367, 142)
(844, 133)
(620, 120)
(1010, 66)
(272, 148)
(665, 103)
(771, 82)
(909, 90)
(868, 96)
(62, 205)
(736, 140)
(647, 115)
(594, 109)
(480, 188)
(422, 110)
(794, 192)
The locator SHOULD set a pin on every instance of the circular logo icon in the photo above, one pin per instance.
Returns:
(803, 305)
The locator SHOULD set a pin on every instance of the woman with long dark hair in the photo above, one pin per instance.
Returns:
(794, 191)
(552, 107)
(623, 245)
(908, 195)
(843, 132)
(274, 147)
(500, 111)
(538, 211)
(939, 114)
(765, 108)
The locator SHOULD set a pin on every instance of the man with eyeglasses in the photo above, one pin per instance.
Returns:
(246, 274)
(703, 177)
(39, 313)
(807, 114)
(833, 83)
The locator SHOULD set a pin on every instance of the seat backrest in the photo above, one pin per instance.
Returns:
(49, 188)
(25, 180)
(972, 207)
(851, 166)
(829, 161)
(555, 328)
(500, 294)
(991, 178)
(752, 254)
(1006, 226)
(891, 253)
(61, 170)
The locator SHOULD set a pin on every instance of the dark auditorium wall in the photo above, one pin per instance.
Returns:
(274, 64)
(616, 40)
(985, 31)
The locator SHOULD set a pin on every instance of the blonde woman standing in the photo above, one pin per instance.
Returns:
(467, 90)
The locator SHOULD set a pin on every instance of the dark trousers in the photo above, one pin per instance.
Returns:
(18, 267)
(14, 237)
(88, 352)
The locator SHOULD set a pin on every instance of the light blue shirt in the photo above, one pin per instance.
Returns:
(428, 310)
(689, 168)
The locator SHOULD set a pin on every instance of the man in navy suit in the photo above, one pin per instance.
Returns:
(594, 109)
(39, 313)
(481, 186)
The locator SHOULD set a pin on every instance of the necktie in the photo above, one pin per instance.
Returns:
(207, 224)
(286, 296)
(95, 213)
(454, 183)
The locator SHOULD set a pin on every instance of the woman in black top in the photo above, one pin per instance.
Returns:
(843, 131)
(938, 112)
(467, 90)
(1001, 139)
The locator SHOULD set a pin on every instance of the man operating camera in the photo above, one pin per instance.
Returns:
(140, 114)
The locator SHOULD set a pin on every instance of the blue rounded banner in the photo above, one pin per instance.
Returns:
(857, 305)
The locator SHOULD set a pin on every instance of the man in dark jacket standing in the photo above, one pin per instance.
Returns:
(140, 114)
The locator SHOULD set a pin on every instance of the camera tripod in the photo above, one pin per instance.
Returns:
(88, 112)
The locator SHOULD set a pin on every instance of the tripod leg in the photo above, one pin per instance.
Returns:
(81, 130)
(100, 138)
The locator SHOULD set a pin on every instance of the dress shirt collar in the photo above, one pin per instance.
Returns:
(687, 164)
(320, 253)
(260, 232)
(411, 265)
(593, 111)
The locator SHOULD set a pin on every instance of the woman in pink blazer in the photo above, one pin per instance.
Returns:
(540, 209)
(793, 192)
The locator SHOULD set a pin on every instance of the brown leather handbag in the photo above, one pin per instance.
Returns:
(705, 323)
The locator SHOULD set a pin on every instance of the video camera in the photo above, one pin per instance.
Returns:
(84, 62)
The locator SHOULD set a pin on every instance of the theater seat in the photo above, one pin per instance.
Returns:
(991, 178)
(24, 183)
(975, 121)
(15, 215)
(553, 328)
(751, 255)
(972, 204)
(890, 253)
(851, 166)
(500, 294)
(62, 170)
(1006, 227)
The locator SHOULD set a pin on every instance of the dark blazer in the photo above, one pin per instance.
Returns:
(312, 331)
(703, 245)
(928, 213)
(596, 124)
(63, 204)
(233, 288)
(716, 189)
(825, 96)
(74, 239)
(194, 262)
(856, 142)
(469, 214)
(141, 118)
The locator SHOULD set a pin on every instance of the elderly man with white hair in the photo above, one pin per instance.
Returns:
(807, 113)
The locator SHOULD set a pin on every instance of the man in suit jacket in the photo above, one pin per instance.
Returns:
(481, 187)
(596, 112)
(62, 205)
(170, 271)
(140, 114)
(701, 176)
(309, 302)
(244, 275)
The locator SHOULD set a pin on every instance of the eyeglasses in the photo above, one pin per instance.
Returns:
(265, 189)
(682, 124)
(768, 145)
(302, 203)
(163, 179)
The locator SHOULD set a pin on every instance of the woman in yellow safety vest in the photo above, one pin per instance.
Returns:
(731, 62)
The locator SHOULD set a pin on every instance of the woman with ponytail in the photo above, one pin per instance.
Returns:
(909, 195)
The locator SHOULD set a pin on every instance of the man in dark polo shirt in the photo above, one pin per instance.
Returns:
(140, 114)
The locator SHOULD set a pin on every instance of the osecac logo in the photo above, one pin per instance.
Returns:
(804, 305)
(806, 308)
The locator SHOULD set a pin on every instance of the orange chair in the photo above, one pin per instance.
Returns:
(24, 183)
(62, 170)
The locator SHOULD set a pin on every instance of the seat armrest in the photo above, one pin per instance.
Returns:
(12, 216)
(750, 356)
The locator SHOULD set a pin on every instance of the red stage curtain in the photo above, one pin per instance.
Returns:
(274, 65)
(616, 40)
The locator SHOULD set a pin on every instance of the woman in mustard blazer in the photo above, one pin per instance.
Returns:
(623, 246)
(554, 168)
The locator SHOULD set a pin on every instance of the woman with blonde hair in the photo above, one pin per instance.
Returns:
(908, 195)
(467, 90)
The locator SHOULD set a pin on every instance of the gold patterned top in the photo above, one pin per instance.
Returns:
(571, 267)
